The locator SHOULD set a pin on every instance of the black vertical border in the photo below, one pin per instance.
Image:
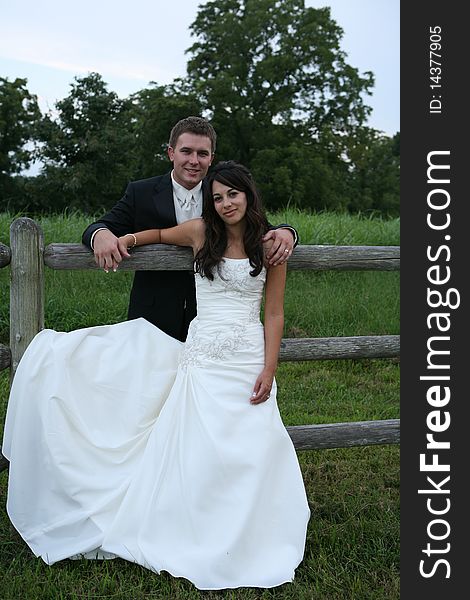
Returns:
(423, 132)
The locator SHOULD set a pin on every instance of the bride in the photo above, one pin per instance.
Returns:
(124, 442)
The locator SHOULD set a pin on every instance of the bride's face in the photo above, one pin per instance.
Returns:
(230, 203)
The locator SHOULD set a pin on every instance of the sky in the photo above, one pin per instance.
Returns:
(130, 43)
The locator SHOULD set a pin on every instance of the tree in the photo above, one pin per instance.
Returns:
(300, 175)
(374, 171)
(19, 115)
(272, 77)
(261, 65)
(88, 148)
(155, 110)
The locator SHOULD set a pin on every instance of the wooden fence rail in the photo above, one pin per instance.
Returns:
(163, 257)
(5, 255)
(28, 256)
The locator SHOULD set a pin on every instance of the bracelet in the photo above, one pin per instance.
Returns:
(135, 240)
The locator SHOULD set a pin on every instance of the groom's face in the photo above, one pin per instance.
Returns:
(191, 158)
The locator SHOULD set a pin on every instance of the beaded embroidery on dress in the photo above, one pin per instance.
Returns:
(156, 455)
(214, 334)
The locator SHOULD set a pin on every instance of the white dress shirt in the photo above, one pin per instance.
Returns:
(188, 203)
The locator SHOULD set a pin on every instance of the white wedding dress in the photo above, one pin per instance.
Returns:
(124, 442)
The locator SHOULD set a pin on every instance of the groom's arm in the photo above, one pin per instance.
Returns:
(103, 236)
(285, 239)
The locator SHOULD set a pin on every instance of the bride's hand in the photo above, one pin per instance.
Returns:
(262, 388)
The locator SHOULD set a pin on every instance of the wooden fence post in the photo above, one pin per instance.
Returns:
(27, 286)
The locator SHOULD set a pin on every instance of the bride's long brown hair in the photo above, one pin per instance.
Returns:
(236, 176)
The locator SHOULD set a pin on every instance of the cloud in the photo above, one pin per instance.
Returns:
(77, 56)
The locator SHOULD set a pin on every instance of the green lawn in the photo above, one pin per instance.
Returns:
(353, 537)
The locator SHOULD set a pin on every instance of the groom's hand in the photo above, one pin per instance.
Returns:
(281, 247)
(109, 250)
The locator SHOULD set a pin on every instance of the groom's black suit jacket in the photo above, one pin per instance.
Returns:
(165, 298)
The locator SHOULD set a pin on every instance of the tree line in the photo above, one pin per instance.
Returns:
(271, 77)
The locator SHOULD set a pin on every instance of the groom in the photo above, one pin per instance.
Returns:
(167, 298)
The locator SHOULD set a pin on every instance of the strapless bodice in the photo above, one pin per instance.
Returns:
(234, 296)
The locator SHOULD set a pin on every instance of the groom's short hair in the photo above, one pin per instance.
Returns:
(196, 125)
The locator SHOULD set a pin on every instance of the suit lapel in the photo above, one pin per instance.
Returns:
(205, 188)
(163, 201)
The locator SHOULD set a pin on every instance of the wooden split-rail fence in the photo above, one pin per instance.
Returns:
(27, 258)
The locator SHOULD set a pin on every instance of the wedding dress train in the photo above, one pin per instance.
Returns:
(124, 442)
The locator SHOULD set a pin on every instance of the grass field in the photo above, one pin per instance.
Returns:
(352, 547)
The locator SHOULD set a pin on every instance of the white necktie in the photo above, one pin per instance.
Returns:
(187, 203)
